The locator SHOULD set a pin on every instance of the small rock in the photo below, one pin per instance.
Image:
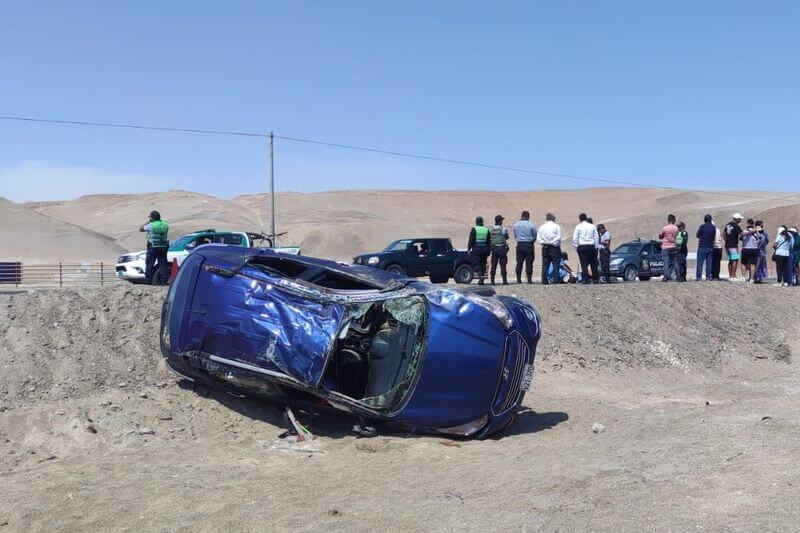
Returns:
(143, 395)
(598, 428)
(334, 512)
(161, 384)
(766, 418)
(122, 384)
(165, 416)
(144, 430)
(105, 403)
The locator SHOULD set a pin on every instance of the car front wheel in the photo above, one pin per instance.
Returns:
(630, 273)
(464, 274)
(396, 269)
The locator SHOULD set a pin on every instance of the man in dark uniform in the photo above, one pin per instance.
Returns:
(498, 237)
(157, 247)
(478, 247)
(681, 241)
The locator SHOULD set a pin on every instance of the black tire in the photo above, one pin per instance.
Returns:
(464, 274)
(396, 269)
(644, 278)
(630, 273)
(439, 279)
(478, 290)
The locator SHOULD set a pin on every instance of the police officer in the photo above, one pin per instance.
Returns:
(478, 247)
(157, 246)
(498, 237)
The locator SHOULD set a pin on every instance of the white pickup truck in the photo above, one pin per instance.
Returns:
(131, 266)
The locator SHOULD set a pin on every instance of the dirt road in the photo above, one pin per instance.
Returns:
(677, 409)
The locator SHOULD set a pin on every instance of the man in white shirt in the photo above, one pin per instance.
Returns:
(585, 241)
(549, 236)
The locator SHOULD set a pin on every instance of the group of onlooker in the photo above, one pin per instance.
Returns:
(753, 257)
(593, 246)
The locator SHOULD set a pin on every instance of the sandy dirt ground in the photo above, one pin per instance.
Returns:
(655, 407)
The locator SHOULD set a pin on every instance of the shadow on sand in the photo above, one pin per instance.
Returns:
(337, 426)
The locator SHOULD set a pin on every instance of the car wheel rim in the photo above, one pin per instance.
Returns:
(630, 274)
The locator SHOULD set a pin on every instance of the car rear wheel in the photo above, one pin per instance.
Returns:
(439, 279)
(464, 274)
(396, 269)
(630, 273)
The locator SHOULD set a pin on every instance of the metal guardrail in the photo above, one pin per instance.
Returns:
(62, 274)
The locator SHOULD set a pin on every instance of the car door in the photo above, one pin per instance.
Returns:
(657, 260)
(646, 262)
(418, 257)
(441, 260)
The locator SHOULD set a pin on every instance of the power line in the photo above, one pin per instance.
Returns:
(471, 163)
(135, 126)
(393, 153)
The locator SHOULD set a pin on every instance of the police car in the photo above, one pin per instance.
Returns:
(639, 258)
(131, 266)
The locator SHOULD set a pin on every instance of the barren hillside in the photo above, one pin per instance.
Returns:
(339, 224)
(35, 237)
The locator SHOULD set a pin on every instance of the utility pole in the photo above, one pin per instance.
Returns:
(273, 235)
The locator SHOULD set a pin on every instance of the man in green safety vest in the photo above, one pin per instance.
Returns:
(478, 247)
(498, 235)
(157, 246)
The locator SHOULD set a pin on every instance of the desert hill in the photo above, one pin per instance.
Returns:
(35, 237)
(339, 224)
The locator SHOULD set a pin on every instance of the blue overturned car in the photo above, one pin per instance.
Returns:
(321, 335)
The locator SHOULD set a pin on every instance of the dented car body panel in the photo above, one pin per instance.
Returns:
(323, 334)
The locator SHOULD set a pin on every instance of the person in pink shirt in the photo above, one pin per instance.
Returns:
(669, 250)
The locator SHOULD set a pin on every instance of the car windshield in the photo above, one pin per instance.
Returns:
(181, 242)
(378, 354)
(398, 246)
(628, 248)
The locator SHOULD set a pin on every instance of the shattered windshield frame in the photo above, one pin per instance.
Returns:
(396, 353)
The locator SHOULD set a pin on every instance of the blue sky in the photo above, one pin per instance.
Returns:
(700, 95)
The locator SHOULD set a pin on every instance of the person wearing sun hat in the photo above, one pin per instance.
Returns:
(732, 233)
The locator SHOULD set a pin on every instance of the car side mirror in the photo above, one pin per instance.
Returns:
(644, 254)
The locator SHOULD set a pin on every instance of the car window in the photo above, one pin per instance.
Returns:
(198, 241)
(181, 242)
(228, 238)
(397, 246)
(628, 248)
(438, 246)
(422, 247)
(648, 248)
(657, 247)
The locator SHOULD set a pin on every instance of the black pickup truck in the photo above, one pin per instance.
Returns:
(433, 257)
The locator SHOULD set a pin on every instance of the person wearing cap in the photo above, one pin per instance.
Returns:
(783, 245)
(498, 238)
(157, 245)
(706, 234)
(682, 244)
(732, 234)
(478, 247)
(549, 236)
(585, 241)
(525, 235)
